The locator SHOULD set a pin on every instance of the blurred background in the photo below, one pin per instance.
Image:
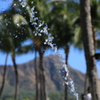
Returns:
(28, 66)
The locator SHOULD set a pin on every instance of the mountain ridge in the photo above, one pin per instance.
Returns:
(53, 74)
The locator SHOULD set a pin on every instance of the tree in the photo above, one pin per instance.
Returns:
(2, 28)
(95, 8)
(88, 43)
(61, 24)
(36, 75)
(38, 41)
(4, 74)
(12, 38)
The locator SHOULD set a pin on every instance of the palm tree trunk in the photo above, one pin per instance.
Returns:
(66, 86)
(42, 77)
(89, 48)
(4, 74)
(86, 83)
(36, 77)
(16, 76)
(86, 76)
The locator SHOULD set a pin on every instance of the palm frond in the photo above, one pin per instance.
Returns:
(25, 49)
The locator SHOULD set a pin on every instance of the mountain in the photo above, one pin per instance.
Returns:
(53, 72)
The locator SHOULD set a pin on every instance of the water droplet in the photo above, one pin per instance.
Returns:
(6, 24)
(36, 18)
(55, 49)
(41, 24)
(16, 36)
(34, 23)
(32, 2)
(22, 23)
(18, 25)
(23, 3)
(14, 4)
(39, 34)
(27, 8)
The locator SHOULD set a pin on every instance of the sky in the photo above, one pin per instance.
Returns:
(4, 3)
(76, 58)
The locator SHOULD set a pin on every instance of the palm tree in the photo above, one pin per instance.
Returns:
(77, 43)
(95, 6)
(25, 49)
(38, 43)
(38, 47)
(4, 74)
(17, 43)
(14, 35)
(89, 47)
(2, 28)
(6, 49)
(61, 25)
(36, 73)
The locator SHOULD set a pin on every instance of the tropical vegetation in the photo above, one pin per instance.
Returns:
(28, 20)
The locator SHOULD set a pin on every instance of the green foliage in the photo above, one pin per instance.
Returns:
(29, 95)
(26, 99)
(59, 95)
(23, 95)
(59, 19)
